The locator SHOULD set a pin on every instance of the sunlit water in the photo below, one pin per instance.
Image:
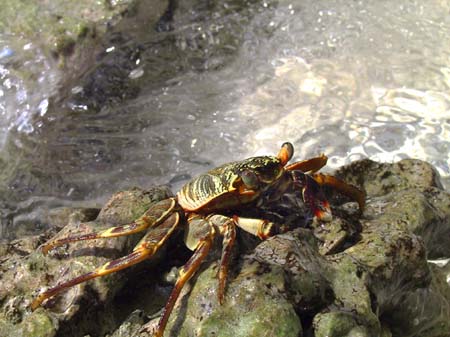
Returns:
(351, 79)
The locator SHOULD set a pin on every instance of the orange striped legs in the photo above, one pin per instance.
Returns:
(227, 228)
(110, 267)
(309, 165)
(199, 237)
(145, 249)
(203, 234)
(310, 184)
(155, 215)
(342, 187)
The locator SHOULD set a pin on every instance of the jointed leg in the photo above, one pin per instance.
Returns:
(144, 250)
(309, 165)
(261, 228)
(227, 228)
(107, 268)
(154, 216)
(187, 271)
(311, 192)
(344, 188)
(199, 237)
(310, 184)
(313, 196)
(229, 237)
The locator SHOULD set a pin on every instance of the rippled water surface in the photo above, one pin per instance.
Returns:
(351, 79)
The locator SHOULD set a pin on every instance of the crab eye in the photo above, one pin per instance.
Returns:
(286, 153)
(250, 179)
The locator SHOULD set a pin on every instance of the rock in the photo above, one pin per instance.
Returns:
(362, 276)
(59, 217)
(337, 323)
(379, 179)
(66, 28)
(335, 235)
(131, 325)
(80, 309)
(245, 313)
(425, 311)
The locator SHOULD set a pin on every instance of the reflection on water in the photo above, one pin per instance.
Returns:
(350, 79)
(388, 125)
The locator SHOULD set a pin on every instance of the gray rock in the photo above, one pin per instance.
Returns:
(354, 276)
(360, 277)
(68, 29)
(80, 309)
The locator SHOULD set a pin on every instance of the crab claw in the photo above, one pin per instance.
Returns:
(313, 196)
(320, 208)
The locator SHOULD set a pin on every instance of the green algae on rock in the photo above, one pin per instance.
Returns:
(356, 276)
(80, 310)
(62, 24)
(371, 269)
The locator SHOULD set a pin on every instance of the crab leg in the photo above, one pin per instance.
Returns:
(227, 227)
(310, 165)
(145, 249)
(260, 228)
(199, 237)
(151, 218)
(312, 195)
(313, 165)
(344, 188)
(229, 237)
(204, 235)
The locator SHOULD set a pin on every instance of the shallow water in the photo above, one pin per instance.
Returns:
(349, 79)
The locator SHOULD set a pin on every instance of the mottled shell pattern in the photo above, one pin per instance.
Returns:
(219, 188)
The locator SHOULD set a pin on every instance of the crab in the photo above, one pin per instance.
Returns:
(208, 206)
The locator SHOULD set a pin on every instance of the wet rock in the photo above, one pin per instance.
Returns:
(365, 276)
(69, 27)
(59, 217)
(403, 223)
(80, 310)
(245, 313)
(131, 325)
(379, 179)
(357, 275)
(335, 235)
(425, 311)
(338, 323)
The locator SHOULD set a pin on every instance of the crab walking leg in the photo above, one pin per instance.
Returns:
(344, 188)
(229, 237)
(227, 229)
(107, 268)
(152, 217)
(310, 165)
(261, 228)
(144, 250)
(204, 235)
